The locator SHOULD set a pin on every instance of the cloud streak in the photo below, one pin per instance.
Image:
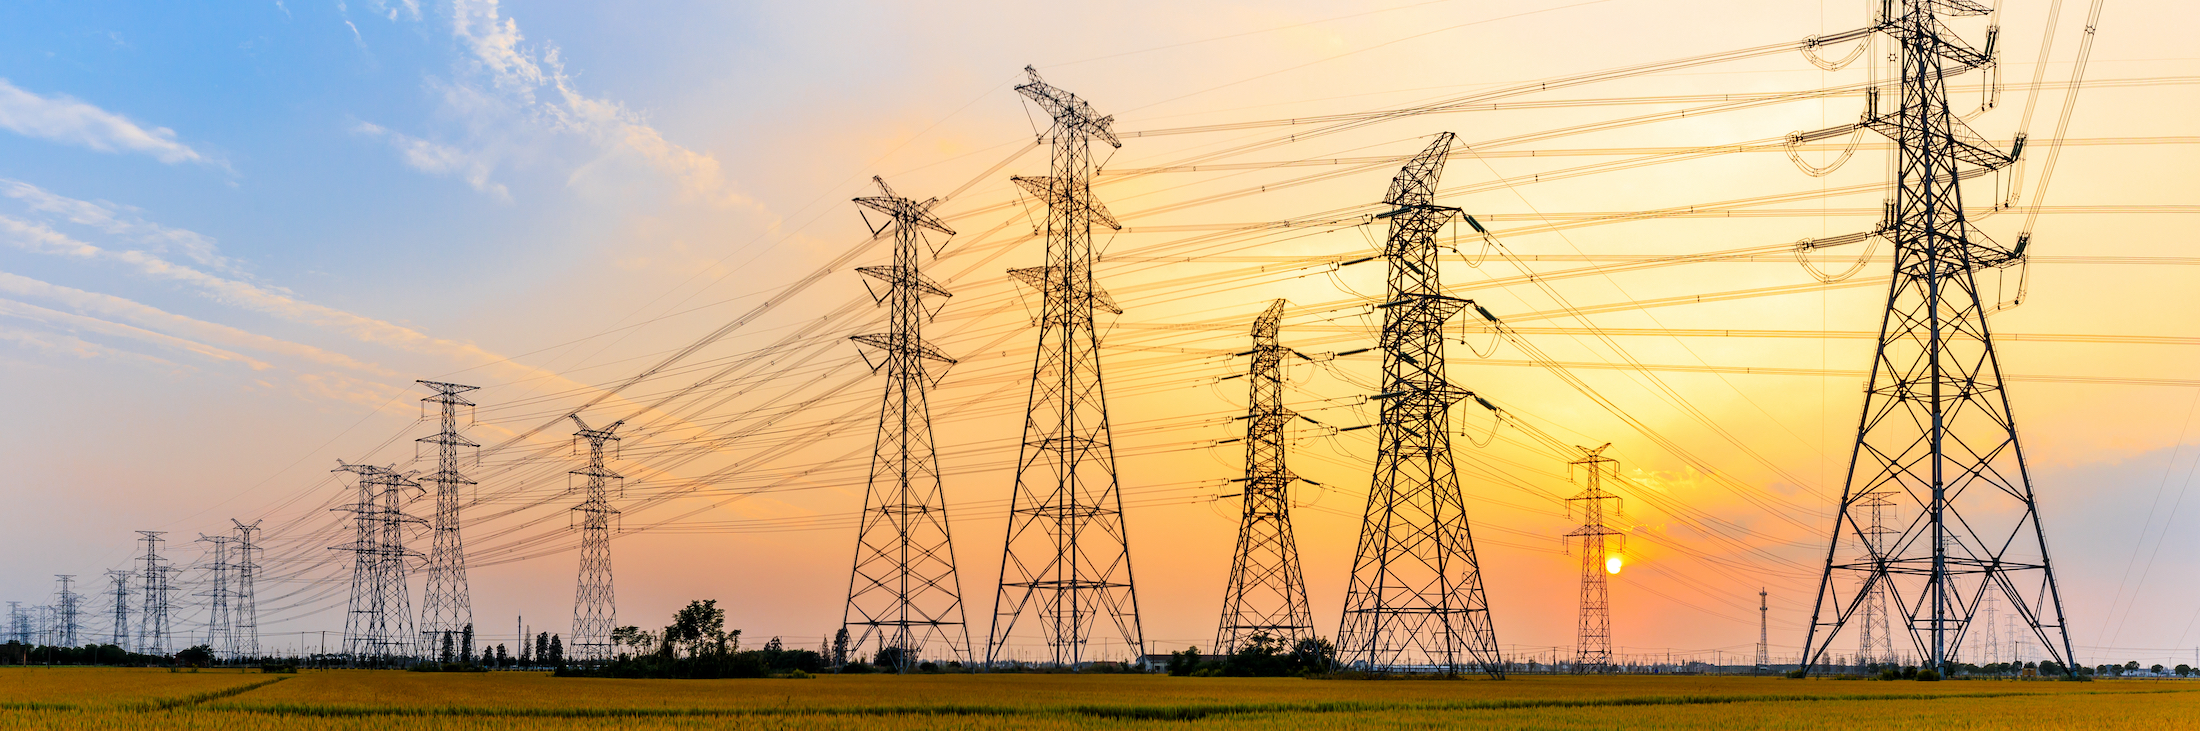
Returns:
(63, 119)
(439, 159)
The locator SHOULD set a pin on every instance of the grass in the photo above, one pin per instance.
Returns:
(397, 701)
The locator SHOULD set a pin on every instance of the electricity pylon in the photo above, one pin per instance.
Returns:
(1415, 602)
(120, 634)
(446, 607)
(1937, 429)
(595, 608)
(19, 624)
(1067, 554)
(153, 610)
(1593, 646)
(244, 612)
(903, 590)
(378, 620)
(1764, 637)
(65, 613)
(1874, 633)
(220, 631)
(1267, 592)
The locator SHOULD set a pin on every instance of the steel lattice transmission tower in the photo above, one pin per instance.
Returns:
(1593, 646)
(1764, 637)
(1937, 429)
(378, 623)
(446, 606)
(1874, 633)
(1415, 602)
(153, 609)
(903, 590)
(66, 613)
(221, 632)
(595, 608)
(19, 624)
(1067, 555)
(119, 635)
(1267, 592)
(244, 611)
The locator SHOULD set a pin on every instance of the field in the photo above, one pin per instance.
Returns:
(110, 698)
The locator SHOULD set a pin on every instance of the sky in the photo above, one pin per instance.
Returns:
(231, 238)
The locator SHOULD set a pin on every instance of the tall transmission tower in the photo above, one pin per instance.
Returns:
(66, 616)
(1937, 428)
(220, 631)
(119, 635)
(1415, 602)
(1067, 554)
(595, 609)
(153, 610)
(1593, 648)
(903, 590)
(446, 607)
(1764, 638)
(1267, 592)
(378, 623)
(244, 611)
(1874, 633)
(19, 624)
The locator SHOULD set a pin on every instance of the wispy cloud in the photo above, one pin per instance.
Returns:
(52, 343)
(120, 220)
(58, 319)
(66, 120)
(146, 317)
(439, 159)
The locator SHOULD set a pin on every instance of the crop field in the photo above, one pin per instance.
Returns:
(113, 698)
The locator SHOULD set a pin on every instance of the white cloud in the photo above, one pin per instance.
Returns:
(63, 119)
(120, 220)
(439, 159)
(72, 346)
(129, 313)
(58, 319)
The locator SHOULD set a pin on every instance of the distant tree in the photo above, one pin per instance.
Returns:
(542, 648)
(698, 627)
(840, 647)
(197, 656)
(502, 659)
(1314, 654)
(556, 656)
(2157, 668)
(893, 659)
(1183, 663)
(466, 644)
(446, 656)
(774, 646)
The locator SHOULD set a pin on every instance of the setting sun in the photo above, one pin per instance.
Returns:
(1611, 565)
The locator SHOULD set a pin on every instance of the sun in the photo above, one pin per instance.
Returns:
(1611, 565)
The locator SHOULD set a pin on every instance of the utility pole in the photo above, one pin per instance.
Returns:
(903, 589)
(1267, 591)
(244, 613)
(220, 633)
(153, 611)
(378, 623)
(446, 607)
(1415, 601)
(595, 609)
(1937, 425)
(120, 634)
(1593, 653)
(1764, 645)
(1067, 554)
(65, 613)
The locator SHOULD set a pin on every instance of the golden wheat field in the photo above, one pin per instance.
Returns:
(118, 698)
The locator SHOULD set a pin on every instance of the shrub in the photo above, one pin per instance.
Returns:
(1928, 674)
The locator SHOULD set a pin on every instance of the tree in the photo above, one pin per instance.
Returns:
(698, 626)
(542, 648)
(466, 644)
(774, 646)
(446, 655)
(502, 659)
(2157, 668)
(1314, 654)
(197, 656)
(840, 647)
(557, 652)
(1183, 663)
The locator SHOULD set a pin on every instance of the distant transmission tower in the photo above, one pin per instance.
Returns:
(595, 610)
(1937, 426)
(903, 590)
(1415, 602)
(119, 635)
(1764, 642)
(1067, 554)
(220, 629)
(66, 615)
(1593, 649)
(244, 611)
(1267, 592)
(378, 625)
(153, 610)
(446, 608)
(1874, 633)
(19, 624)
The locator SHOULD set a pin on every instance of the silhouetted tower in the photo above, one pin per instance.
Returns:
(66, 614)
(1267, 592)
(119, 635)
(1593, 648)
(19, 624)
(595, 610)
(903, 590)
(1937, 429)
(1874, 633)
(1764, 641)
(1415, 602)
(153, 609)
(378, 625)
(220, 629)
(1068, 553)
(244, 609)
(446, 607)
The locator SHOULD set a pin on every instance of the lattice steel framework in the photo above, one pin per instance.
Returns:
(595, 607)
(153, 609)
(221, 633)
(1874, 632)
(119, 634)
(1937, 430)
(244, 611)
(1267, 591)
(1068, 553)
(378, 621)
(446, 606)
(66, 613)
(1764, 636)
(1415, 602)
(1593, 643)
(903, 591)
(19, 624)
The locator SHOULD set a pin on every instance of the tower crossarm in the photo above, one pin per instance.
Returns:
(1070, 113)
